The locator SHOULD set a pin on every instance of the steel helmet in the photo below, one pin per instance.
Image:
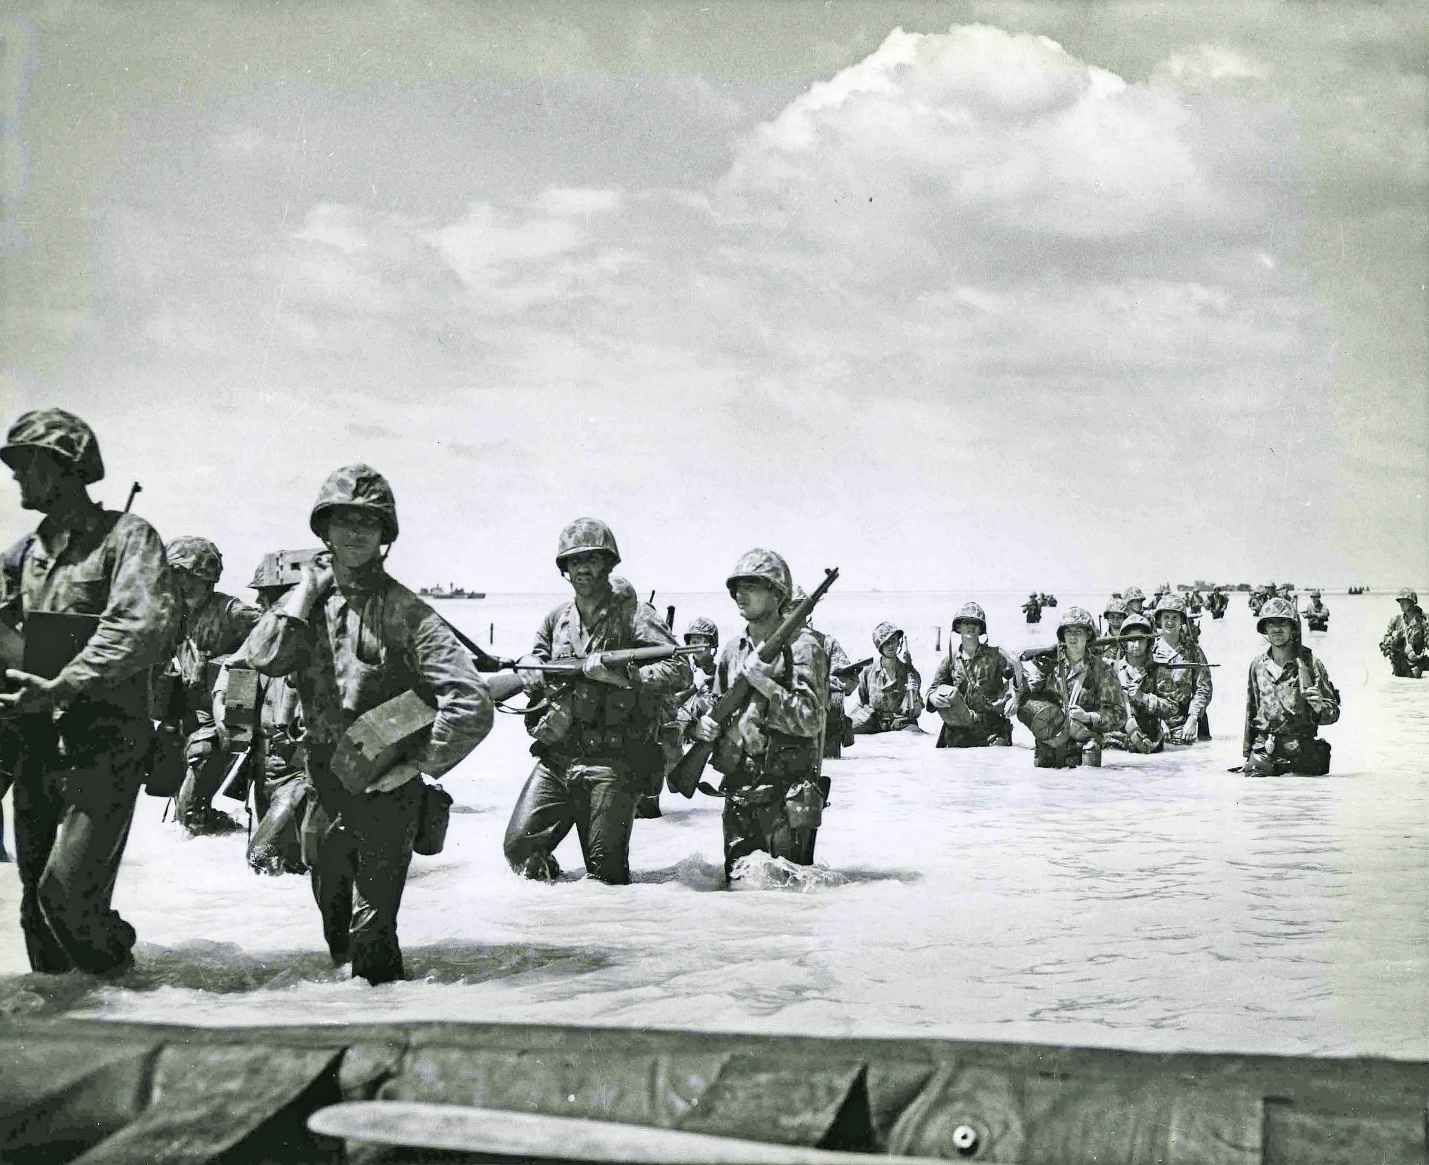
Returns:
(1077, 617)
(1134, 623)
(360, 487)
(1406, 593)
(765, 566)
(198, 556)
(1115, 606)
(703, 626)
(1133, 593)
(282, 568)
(883, 633)
(584, 536)
(1171, 603)
(61, 434)
(972, 613)
(1315, 592)
(1277, 608)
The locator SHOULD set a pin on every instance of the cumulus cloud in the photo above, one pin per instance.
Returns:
(570, 201)
(1208, 65)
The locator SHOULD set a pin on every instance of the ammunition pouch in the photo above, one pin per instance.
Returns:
(804, 805)
(433, 820)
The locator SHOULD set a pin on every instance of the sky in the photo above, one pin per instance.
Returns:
(953, 296)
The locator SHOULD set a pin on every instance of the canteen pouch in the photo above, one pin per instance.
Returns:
(433, 820)
(804, 805)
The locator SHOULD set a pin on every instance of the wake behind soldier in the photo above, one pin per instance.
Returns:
(769, 753)
(84, 729)
(976, 688)
(596, 737)
(354, 638)
(212, 625)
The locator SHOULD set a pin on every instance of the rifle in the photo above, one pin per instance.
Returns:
(507, 682)
(684, 778)
(238, 777)
(133, 489)
(1046, 652)
(851, 671)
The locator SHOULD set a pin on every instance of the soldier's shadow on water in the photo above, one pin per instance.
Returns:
(227, 969)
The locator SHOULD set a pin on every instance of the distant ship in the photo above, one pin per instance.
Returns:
(450, 591)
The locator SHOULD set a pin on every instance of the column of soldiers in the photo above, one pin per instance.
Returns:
(614, 703)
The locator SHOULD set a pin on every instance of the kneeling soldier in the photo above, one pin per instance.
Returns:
(769, 753)
(1289, 695)
(355, 638)
(976, 687)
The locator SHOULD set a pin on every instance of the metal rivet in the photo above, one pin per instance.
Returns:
(965, 1139)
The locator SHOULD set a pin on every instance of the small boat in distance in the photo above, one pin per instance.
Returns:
(450, 591)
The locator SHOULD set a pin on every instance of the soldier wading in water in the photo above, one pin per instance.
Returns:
(353, 638)
(596, 737)
(770, 752)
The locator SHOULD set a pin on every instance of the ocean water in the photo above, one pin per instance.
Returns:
(1158, 903)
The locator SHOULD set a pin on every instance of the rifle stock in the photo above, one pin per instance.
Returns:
(684, 778)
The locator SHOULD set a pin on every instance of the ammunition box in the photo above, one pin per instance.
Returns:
(381, 737)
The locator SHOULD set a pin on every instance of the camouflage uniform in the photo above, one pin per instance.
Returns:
(1406, 639)
(1145, 730)
(361, 645)
(78, 769)
(1089, 685)
(1317, 615)
(769, 753)
(1281, 727)
(889, 697)
(204, 638)
(596, 745)
(838, 732)
(1187, 689)
(1032, 609)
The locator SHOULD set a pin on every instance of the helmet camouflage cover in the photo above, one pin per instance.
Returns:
(61, 434)
(358, 487)
(1077, 617)
(1171, 603)
(1131, 594)
(767, 567)
(583, 536)
(971, 612)
(1277, 609)
(883, 633)
(1135, 623)
(1115, 607)
(705, 627)
(198, 556)
(1406, 593)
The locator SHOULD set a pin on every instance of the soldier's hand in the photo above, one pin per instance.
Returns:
(1186, 734)
(941, 696)
(594, 668)
(317, 575)
(1314, 699)
(706, 728)
(395, 777)
(1080, 715)
(28, 694)
(760, 674)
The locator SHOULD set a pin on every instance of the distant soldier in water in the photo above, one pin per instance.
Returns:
(354, 638)
(889, 692)
(1113, 618)
(1405, 643)
(774, 791)
(212, 625)
(1218, 603)
(1188, 688)
(1288, 697)
(1139, 674)
(84, 735)
(976, 688)
(1317, 615)
(1032, 608)
(597, 740)
(697, 699)
(1082, 684)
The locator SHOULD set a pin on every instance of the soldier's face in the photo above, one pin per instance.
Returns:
(1278, 631)
(354, 536)
(1169, 624)
(38, 475)
(968, 631)
(1114, 620)
(1137, 650)
(1076, 640)
(705, 659)
(755, 600)
(588, 572)
(891, 647)
(192, 590)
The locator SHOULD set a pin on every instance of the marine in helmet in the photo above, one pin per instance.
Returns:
(838, 731)
(597, 743)
(1032, 608)
(773, 789)
(1082, 683)
(1288, 697)
(1187, 687)
(1135, 600)
(212, 625)
(279, 785)
(889, 693)
(1138, 673)
(91, 717)
(1317, 615)
(688, 704)
(1113, 617)
(352, 638)
(977, 686)
(1406, 639)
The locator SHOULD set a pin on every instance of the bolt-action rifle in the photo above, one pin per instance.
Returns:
(684, 778)
(506, 683)
(1047, 651)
